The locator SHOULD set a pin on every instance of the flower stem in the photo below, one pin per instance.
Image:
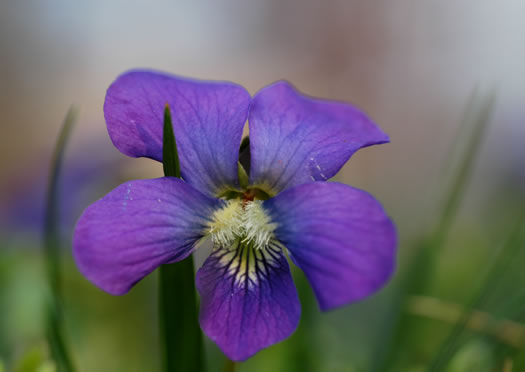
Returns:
(230, 366)
(179, 325)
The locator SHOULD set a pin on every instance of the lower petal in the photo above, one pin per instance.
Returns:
(339, 236)
(137, 227)
(248, 299)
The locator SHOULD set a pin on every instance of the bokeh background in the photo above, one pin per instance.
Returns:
(413, 66)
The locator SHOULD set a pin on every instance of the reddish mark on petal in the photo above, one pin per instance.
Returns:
(248, 196)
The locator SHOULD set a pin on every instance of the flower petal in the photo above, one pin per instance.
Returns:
(339, 236)
(208, 118)
(248, 299)
(137, 227)
(296, 139)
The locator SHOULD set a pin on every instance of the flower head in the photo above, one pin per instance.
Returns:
(338, 235)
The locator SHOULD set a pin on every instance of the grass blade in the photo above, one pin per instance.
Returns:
(170, 155)
(393, 345)
(54, 317)
(179, 325)
(489, 285)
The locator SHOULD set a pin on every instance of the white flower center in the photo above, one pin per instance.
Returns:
(242, 220)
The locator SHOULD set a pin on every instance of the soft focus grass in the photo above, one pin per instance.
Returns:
(463, 264)
(119, 333)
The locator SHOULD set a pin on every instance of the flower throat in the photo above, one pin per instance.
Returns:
(243, 219)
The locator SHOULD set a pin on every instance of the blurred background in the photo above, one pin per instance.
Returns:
(413, 66)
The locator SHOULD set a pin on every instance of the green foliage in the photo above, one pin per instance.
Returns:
(394, 346)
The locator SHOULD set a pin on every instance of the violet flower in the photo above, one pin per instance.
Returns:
(338, 235)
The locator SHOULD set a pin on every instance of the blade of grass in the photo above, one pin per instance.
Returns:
(497, 272)
(392, 346)
(179, 325)
(301, 358)
(463, 132)
(464, 172)
(513, 307)
(507, 267)
(488, 285)
(170, 154)
(51, 242)
(505, 330)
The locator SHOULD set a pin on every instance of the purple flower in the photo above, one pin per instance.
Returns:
(338, 235)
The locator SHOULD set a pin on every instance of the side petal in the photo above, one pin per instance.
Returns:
(339, 236)
(135, 228)
(248, 299)
(296, 139)
(208, 118)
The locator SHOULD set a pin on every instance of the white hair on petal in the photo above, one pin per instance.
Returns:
(244, 220)
(227, 223)
(258, 226)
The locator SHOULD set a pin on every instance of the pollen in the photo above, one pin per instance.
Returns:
(242, 220)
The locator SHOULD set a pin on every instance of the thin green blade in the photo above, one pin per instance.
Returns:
(55, 332)
(179, 325)
(170, 155)
(509, 252)
(394, 346)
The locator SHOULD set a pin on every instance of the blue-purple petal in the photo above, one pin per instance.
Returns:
(208, 119)
(296, 139)
(137, 227)
(248, 299)
(339, 236)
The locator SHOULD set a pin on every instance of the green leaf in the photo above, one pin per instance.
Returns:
(55, 332)
(244, 180)
(170, 156)
(179, 325)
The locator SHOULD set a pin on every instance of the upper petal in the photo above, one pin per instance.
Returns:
(339, 236)
(208, 118)
(137, 227)
(248, 299)
(296, 139)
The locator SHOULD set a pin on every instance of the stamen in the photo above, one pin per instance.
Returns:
(258, 226)
(227, 223)
(243, 220)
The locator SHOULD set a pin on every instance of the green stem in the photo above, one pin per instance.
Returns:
(230, 366)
